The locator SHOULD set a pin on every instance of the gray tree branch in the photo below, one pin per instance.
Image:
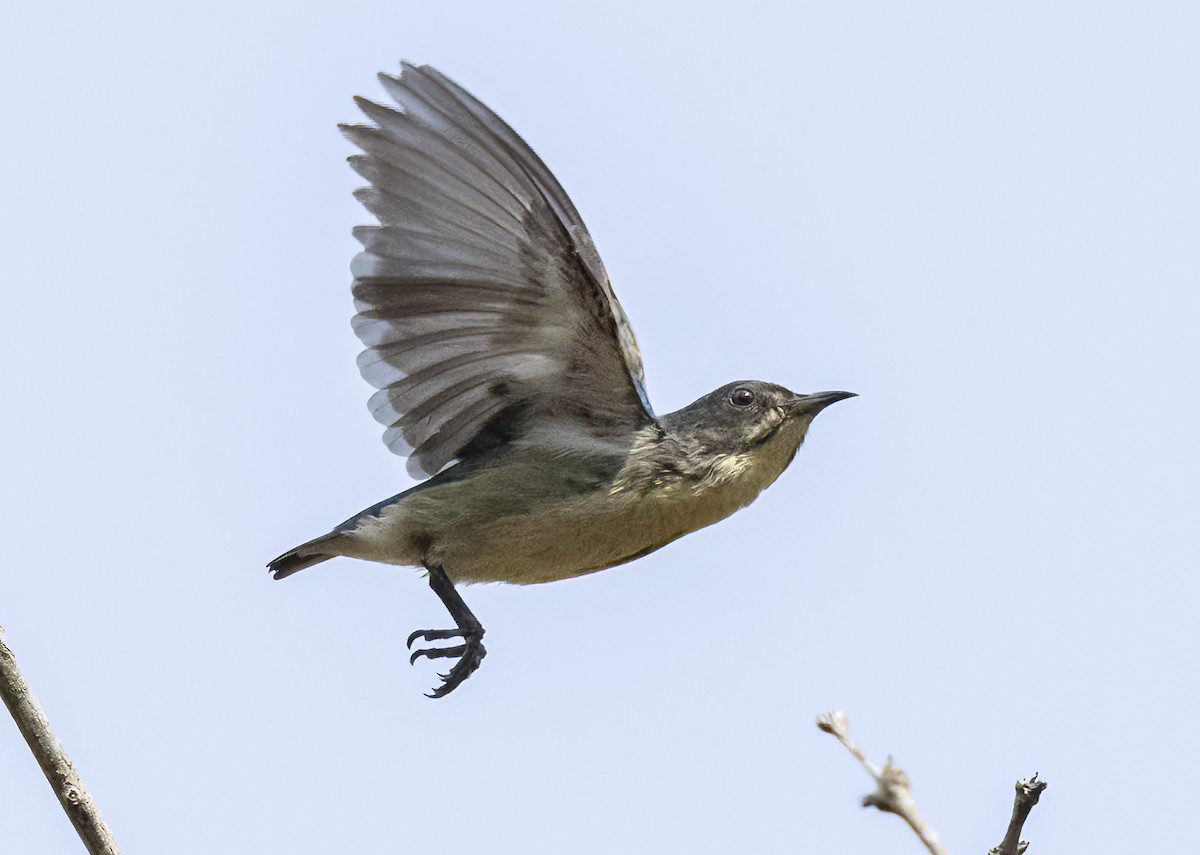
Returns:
(59, 771)
(892, 793)
(1028, 793)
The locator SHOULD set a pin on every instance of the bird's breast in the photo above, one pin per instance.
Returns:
(576, 537)
(541, 520)
(579, 534)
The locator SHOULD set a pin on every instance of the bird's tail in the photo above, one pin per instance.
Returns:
(304, 555)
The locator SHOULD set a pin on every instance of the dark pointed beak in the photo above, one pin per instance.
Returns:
(813, 404)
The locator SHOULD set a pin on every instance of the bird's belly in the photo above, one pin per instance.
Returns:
(565, 542)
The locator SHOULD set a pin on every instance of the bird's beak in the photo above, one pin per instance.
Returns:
(810, 405)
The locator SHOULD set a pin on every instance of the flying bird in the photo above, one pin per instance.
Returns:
(509, 376)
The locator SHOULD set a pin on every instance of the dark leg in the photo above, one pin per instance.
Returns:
(469, 654)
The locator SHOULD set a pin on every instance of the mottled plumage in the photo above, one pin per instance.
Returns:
(507, 370)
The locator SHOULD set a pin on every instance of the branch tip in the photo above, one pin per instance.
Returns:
(1029, 791)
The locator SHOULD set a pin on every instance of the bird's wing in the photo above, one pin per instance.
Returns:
(480, 291)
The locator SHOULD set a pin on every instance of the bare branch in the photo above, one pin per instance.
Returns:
(1028, 793)
(59, 771)
(892, 793)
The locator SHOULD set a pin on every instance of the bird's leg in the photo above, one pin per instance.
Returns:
(469, 654)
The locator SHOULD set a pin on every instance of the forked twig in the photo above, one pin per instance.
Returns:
(892, 793)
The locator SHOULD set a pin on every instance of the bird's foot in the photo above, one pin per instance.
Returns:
(469, 654)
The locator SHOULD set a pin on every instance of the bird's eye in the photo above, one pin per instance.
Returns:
(741, 398)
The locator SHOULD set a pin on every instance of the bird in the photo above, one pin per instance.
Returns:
(508, 374)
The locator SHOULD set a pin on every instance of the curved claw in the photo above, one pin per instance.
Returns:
(471, 654)
(438, 653)
(435, 635)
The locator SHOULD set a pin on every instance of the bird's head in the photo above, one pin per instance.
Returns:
(744, 415)
(749, 425)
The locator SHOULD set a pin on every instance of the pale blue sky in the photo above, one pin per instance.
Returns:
(981, 217)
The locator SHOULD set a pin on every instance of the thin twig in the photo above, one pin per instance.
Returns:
(59, 771)
(1028, 792)
(892, 794)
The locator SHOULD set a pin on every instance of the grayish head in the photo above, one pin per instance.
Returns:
(748, 414)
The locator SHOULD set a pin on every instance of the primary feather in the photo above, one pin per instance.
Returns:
(480, 293)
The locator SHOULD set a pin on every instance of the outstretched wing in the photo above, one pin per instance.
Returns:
(480, 293)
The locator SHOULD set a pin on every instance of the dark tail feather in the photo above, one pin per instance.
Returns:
(304, 555)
